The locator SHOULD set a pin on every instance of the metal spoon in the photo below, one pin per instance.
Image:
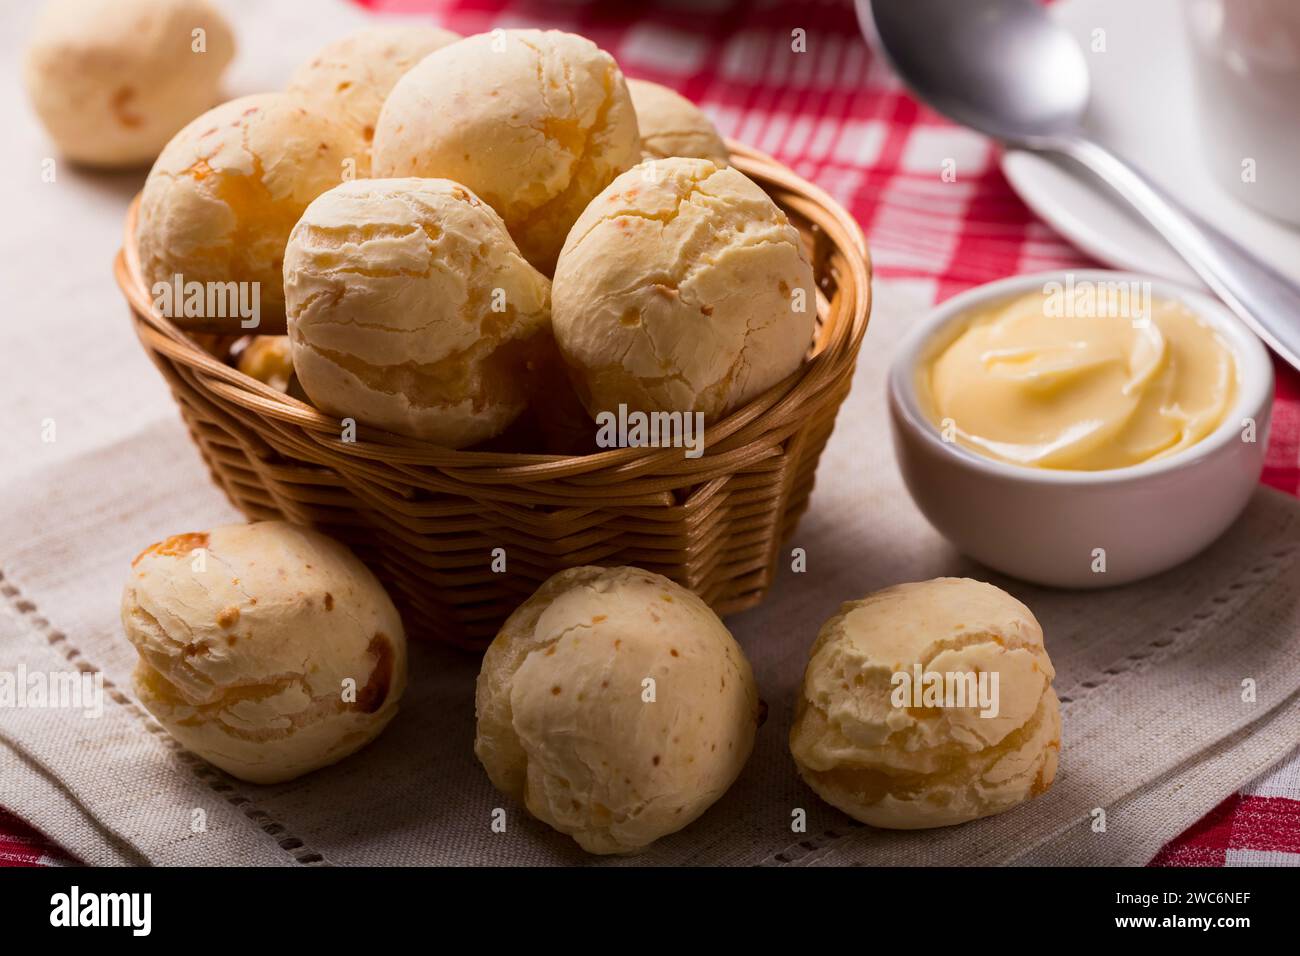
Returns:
(1005, 68)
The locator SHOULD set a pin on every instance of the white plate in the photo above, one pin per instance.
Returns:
(1142, 108)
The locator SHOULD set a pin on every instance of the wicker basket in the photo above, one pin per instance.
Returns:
(427, 519)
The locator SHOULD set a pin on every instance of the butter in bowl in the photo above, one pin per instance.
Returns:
(1081, 429)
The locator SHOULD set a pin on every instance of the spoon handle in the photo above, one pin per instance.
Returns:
(1266, 301)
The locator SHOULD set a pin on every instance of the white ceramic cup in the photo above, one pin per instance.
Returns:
(1046, 526)
(1245, 59)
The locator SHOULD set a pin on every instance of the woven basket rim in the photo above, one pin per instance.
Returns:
(814, 376)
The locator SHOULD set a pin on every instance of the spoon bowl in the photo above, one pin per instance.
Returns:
(1007, 69)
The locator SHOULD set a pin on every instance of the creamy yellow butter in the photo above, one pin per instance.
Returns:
(1036, 385)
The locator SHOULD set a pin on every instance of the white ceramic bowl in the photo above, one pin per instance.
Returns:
(1045, 525)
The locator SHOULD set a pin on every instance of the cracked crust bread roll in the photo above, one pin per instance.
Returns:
(411, 309)
(682, 288)
(269, 359)
(616, 706)
(671, 125)
(349, 79)
(113, 80)
(534, 122)
(267, 649)
(224, 195)
(890, 764)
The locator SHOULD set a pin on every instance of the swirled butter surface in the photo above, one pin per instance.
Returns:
(1023, 383)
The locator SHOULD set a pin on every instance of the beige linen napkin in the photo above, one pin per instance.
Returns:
(1155, 730)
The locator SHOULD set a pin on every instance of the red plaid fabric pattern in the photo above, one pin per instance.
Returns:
(836, 115)
(20, 845)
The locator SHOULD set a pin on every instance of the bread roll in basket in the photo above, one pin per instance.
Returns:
(429, 520)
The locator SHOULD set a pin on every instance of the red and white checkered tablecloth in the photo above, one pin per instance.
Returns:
(837, 117)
